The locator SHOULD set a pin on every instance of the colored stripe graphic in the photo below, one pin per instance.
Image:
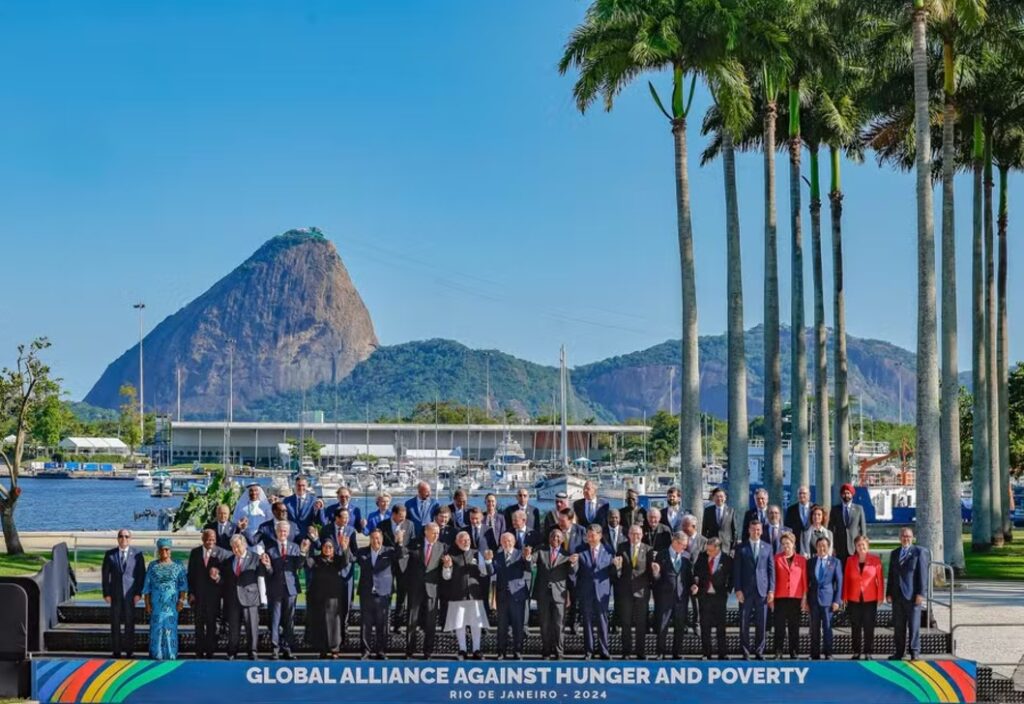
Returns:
(50, 684)
(94, 692)
(898, 676)
(68, 691)
(164, 668)
(963, 680)
(937, 682)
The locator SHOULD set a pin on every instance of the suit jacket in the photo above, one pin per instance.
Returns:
(243, 588)
(532, 516)
(268, 536)
(620, 539)
(529, 538)
(302, 513)
(482, 538)
(594, 577)
(421, 518)
(846, 532)
(678, 524)
(720, 579)
(600, 517)
(447, 535)
(724, 531)
(773, 541)
(866, 584)
(330, 532)
(224, 533)
(200, 585)
(459, 520)
(753, 577)
(496, 523)
(387, 531)
(374, 519)
(672, 585)
(628, 517)
(790, 580)
(423, 576)
(697, 545)
(907, 577)
(375, 579)
(809, 540)
(123, 584)
(747, 518)
(793, 521)
(552, 581)
(577, 536)
(284, 581)
(355, 516)
(467, 579)
(635, 581)
(511, 577)
(829, 589)
(659, 537)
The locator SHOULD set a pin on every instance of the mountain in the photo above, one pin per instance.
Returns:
(394, 379)
(290, 313)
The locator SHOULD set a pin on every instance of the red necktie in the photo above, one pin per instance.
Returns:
(554, 556)
(238, 566)
(426, 554)
(206, 558)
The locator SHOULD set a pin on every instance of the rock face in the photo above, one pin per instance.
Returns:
(290, 313)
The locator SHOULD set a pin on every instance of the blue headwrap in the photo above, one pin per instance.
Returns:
(163, 543)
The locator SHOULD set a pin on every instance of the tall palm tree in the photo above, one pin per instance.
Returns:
(617, 41)
(822, 468)
(981, 516)
(992, 390)
(799, 471)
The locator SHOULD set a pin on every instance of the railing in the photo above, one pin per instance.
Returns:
(949, 576)
(1018, 626)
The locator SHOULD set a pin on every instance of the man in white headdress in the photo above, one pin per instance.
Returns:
(256, 508)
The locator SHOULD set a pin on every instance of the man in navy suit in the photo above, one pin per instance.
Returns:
(286, 558)
(615, 535)
(304, 508)
(672, 514)
(511, 568)
(224, 527)
(759, 513)
(460, 509)
(905, 590)
(121, 576)
(523, 535)
(551, 589)
(754, 581)
(772, 529)
(719, 520)
(594, 572)
(532, 513)
(673, 577)
(591, 509)
(824, 595)
(355, 516)
(267, 532)
(422, 508)
(377, 564)
(339, 527)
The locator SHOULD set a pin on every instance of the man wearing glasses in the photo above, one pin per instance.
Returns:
(122, 575)
(523, 504)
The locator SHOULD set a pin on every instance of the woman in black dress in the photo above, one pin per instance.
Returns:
(324, 614)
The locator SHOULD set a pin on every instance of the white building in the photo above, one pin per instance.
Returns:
(94, 446)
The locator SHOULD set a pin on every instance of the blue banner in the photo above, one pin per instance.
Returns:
(420, 682)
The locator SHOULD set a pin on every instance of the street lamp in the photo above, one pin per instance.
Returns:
(142, 423)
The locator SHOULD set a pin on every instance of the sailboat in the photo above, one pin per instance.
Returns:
(565, 478)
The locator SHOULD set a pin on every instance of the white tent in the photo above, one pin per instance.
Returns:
(94, 446)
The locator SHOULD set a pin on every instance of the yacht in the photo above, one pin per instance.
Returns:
(509, 464)
(143, 478)
(162, 486)
(549, 485)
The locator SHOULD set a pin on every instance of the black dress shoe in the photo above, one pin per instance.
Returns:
(461, 655)
(364, 656)
(588, 656)
(759, 657)
(517, 656)
(895, 657)
(605, 656)
(553, 657)
(913, 656)
(275, 655)
(856, 656)
(252, 656)
(477, 655)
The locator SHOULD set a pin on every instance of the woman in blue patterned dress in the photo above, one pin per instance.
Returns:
(165, 590)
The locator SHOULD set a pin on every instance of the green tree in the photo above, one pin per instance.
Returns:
(130, 431)
(23, 389)
(52, 420)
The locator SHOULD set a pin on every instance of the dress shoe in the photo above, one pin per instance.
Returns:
(477, 655)
(364, 656)
(461, 655)
(913, 656)
(252, 656)
(230, 657)
(588, 656)
(408, 655)
(759, 657)
(856, 656)
(517, 656)
(895, 657)
(605, 656)
(552, 657)
(288, 655)
(501, 656)
(275, 655)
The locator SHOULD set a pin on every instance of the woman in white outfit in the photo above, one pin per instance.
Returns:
(462, 569)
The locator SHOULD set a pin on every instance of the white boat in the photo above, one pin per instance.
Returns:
(549, 485)
(307, 466)
(162, 487)
(143, 478)
(509, 464)
(360, 466)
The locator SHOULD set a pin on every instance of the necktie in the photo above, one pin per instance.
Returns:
(206, 558)
(675, 561)
(821, 571)
(565, 543)
(803, 514)
(615, 536)
(426, 554)
(238, 566)
(903, 554)
(508, 558)
(760, 516)
(476, 537)
(284, 550)
(635, 555)
(554, 556)
(594, 552)
(846, 513)
(718, 514)
(519, 540)
(373, 559)
(124, 560)
(757, 549)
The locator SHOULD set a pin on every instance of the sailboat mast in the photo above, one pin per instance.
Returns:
(565, 405)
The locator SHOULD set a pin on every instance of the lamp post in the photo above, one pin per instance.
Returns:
(142, 419)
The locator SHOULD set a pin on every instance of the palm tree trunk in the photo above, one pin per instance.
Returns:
(1003, 355)
(929, 480)
(981, 516)
(949, 433)
(822, 465)
(689, 406)
(992, 396)
(772, 471)
(799, 474)
(739, 476)
(842, 395)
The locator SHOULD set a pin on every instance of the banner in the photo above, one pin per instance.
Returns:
(421, 682)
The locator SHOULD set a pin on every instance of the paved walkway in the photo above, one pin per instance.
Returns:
(989, 625)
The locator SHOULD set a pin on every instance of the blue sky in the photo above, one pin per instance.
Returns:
(148, 148)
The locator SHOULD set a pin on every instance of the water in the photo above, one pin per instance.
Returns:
(104, 504)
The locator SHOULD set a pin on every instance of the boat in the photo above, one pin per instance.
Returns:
(307, 466)
(53, 474)
(162, 487)
(509, 464)
(547, 486)
(143, 478)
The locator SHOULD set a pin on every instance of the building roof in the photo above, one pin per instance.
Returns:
(93, 443)
(514, 429)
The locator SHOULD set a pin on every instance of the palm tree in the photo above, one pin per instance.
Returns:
(981, 517)
(992, 390)
(799, 473)
(617, 41)
(822, 470)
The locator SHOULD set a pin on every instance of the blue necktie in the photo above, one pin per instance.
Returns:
(821, 571)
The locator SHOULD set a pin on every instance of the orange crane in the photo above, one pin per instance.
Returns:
(904, 453)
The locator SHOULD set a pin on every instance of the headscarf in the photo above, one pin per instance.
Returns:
(162, 543)
(256, 511)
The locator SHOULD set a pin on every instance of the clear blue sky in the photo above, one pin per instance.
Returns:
(148, 148)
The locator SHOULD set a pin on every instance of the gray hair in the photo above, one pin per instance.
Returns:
(688, 519)
(594, 528)
(761, 490)
(519, 513)
(654, 511)
(716, 541)
(680, 535)
(237, 538)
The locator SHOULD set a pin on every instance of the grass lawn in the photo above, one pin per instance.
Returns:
(1006, 562)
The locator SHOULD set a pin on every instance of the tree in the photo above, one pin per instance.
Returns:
(618, 41)
(130, 431)
(52, 420)
(23, 390)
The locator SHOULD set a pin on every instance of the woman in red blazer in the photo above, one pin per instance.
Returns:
(790, 594)
(863, 588)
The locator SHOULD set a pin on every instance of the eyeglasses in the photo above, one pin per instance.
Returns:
(122, 535)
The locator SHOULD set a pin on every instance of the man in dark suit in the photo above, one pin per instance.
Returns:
(615, 535)
(339, 527)
(304, 508)
(523, 535)
(632, 512)
(719, 521)
(121, 576)
(420, 579)
(447, 533)
(480, 537)
(772, 530)
(905, 589)
(399, 524)
(633, 591)
(656, 533)
(422, 508)
(523, 504)
(754, 580)
(377, 564)
(798, 515)
(824, 595)
(551, 517)
(594, 572)
(847, 522)
(283, 588)
(672, 514)
(551, 590)
(239, 576)
(758, 513)
(590, 509)
(573, 534)
(355, 516)
(493, 518)
(203, 593)
(673, 577)
(511, 580)
(267, 532)
(693, 551)
(713, 579)
(460, 509)
(224, 527)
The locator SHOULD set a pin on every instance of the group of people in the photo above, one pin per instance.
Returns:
(473, 568)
